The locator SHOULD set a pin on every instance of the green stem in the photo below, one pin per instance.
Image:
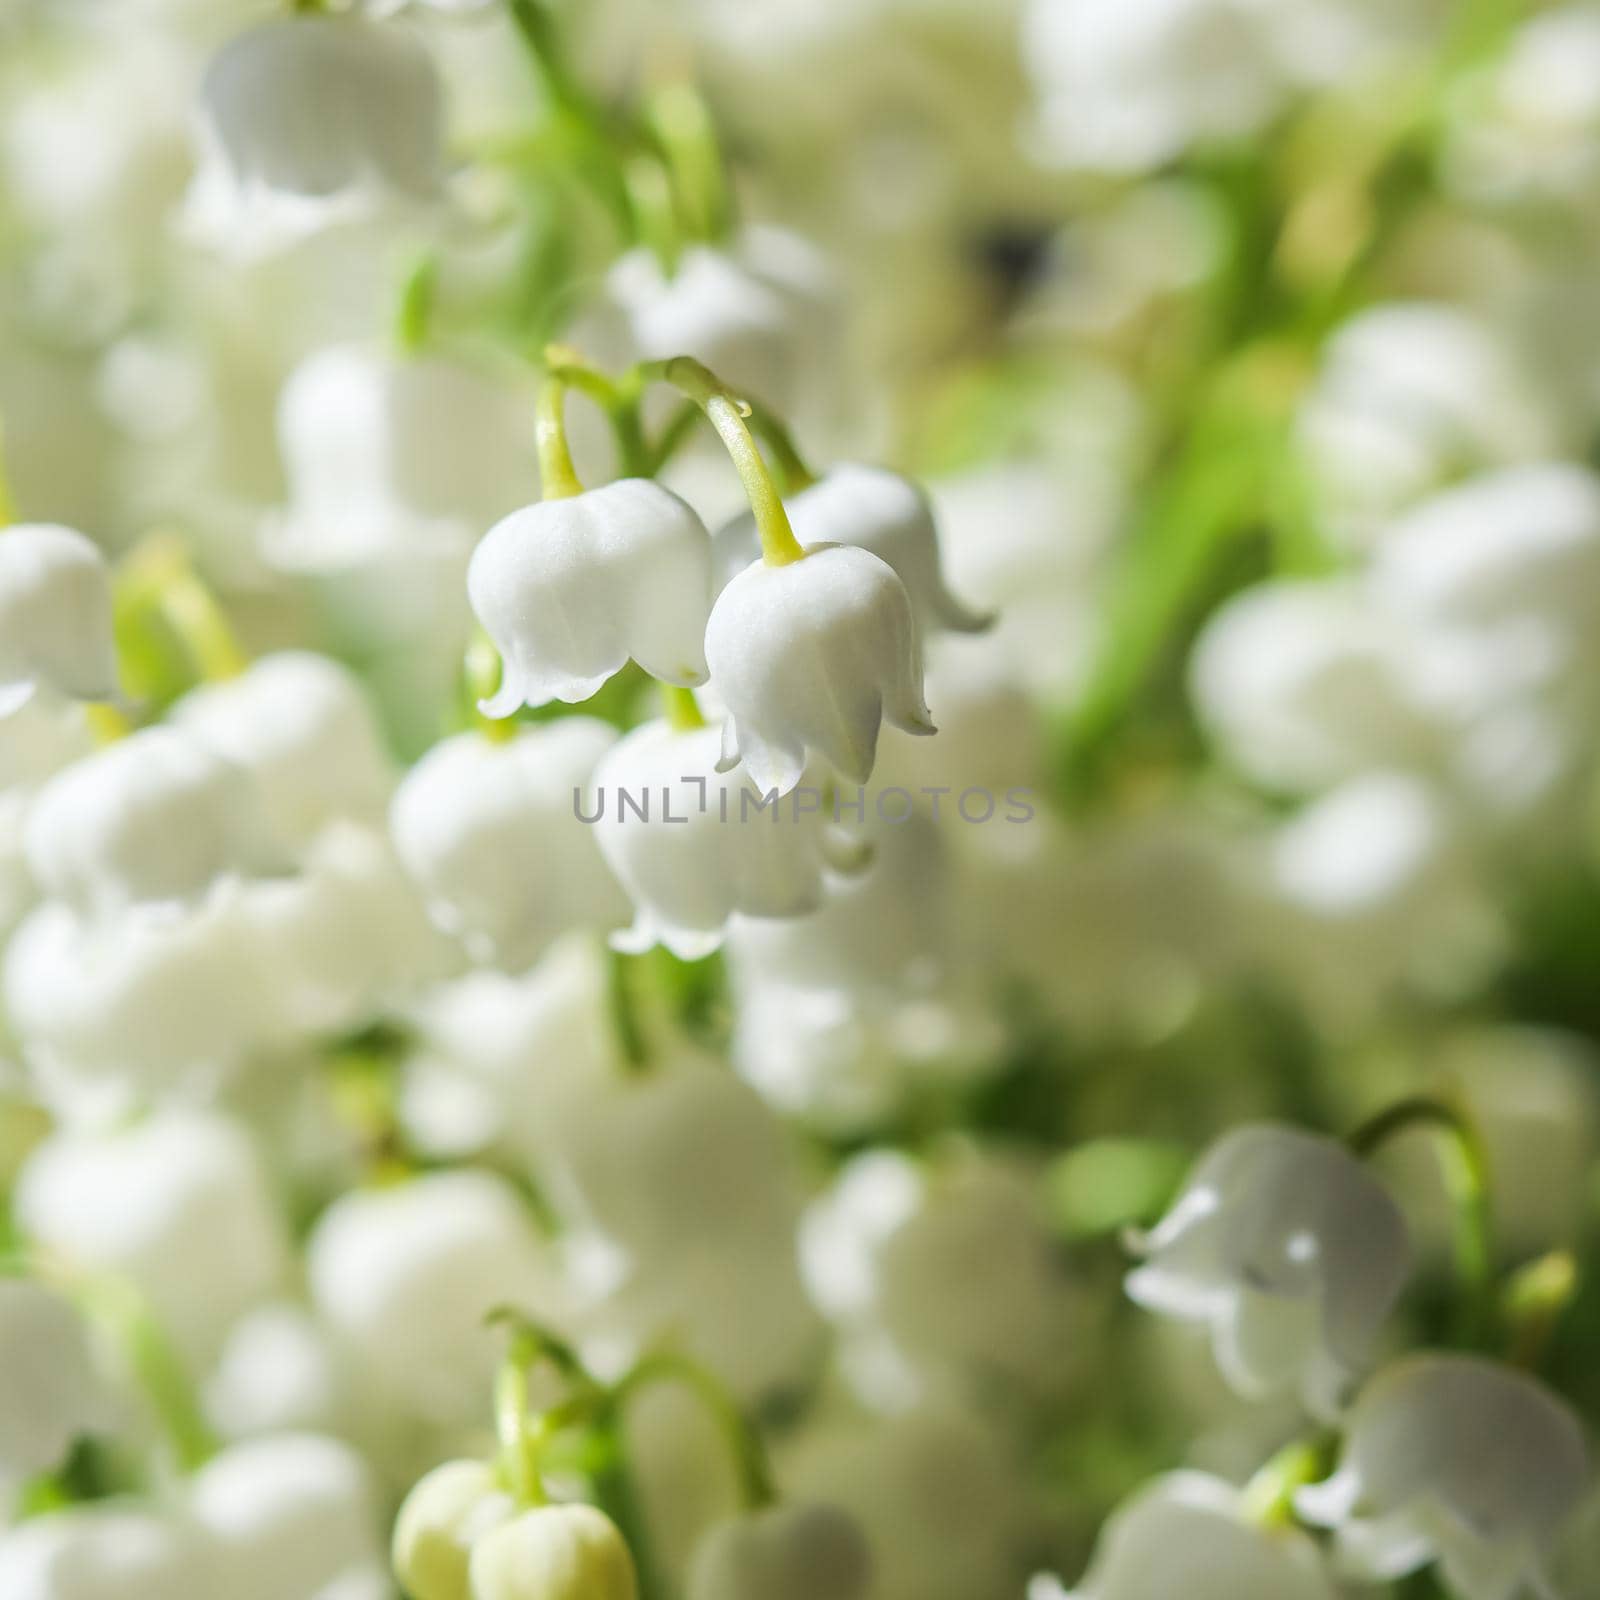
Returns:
(481, 672)
(674, 435)
(619, 400)
(160, 575)
(1465, 1164)
(631, 1044)
(522, 1437)
(1269, 1495)
(684, 128)
(540, 37)
(1534, 1302)
(792, 469)
(727, 414)
(756, 1485)
(683, 710)
(557, 474)
(413, 315)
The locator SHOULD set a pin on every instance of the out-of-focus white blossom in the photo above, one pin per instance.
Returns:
(178, 1204)
(292, 1515)
(1456, 1460)
(815, 656)
(55, 617)
(794, 1552)
(490, 832)
(112, 1551)
(154, 820)
(50, 1392)
(1290, 1251)
(406, 1275)
(1190, 1533)
(570, 589)
(872, 509)
(310, 120)
(393, 454)
(709, 850)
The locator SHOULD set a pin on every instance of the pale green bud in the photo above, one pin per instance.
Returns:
(554, 1553)
(443, 1517)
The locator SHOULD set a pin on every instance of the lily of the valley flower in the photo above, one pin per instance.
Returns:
(108, 1551)
(1188, 1533)
(155, 818)
(1293, 1254)
(445, 1515)
(487, 829)
(708, 849)
(1457, 1460)
(570, 588)
(873, 509)
(55, 616)
(797, 1552)
(50, 1393)
(815, 654)
(565, 1552)
(310, 120)
(387, 453)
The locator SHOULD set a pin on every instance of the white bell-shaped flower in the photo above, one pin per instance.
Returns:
(306, 121)
(50, 1392)
(55, 616)
(758, 313)
(406, 1275)
(444, 1516)
(1188, 1533)
(177, 1204)
(490, 832)
(389, 454)
(706, 849)
(561, 1552)
(815, 655)
(301, 724)
(1457, 1460)
(569, 589)
(872, 509)
(111, 1551)
(1288, 1248)
(792, 1552)
(1523, 542)
(111, 1012)
(881, 1251)
(291, 1516)
(156, 818)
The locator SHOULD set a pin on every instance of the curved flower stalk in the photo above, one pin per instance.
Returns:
(1290, 1251)
(870, 508)
(710, 847)
(571, 588)
(307, 121)
(55, 617)
(1459, 1461)
(1192, 1534)
(487, 830)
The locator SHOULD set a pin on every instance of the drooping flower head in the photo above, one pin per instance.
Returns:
(55, 616)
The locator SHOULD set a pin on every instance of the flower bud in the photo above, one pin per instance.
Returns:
(708, 848)
(309, 120)
(799, 1552)
(487, 830)
(1457, 1460)
(568, 1552)
(569, 589)
(815, 655)
(872, 509)
(443, 1517)
(55, 616)
(1290, 1251)
(1187, 1533)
